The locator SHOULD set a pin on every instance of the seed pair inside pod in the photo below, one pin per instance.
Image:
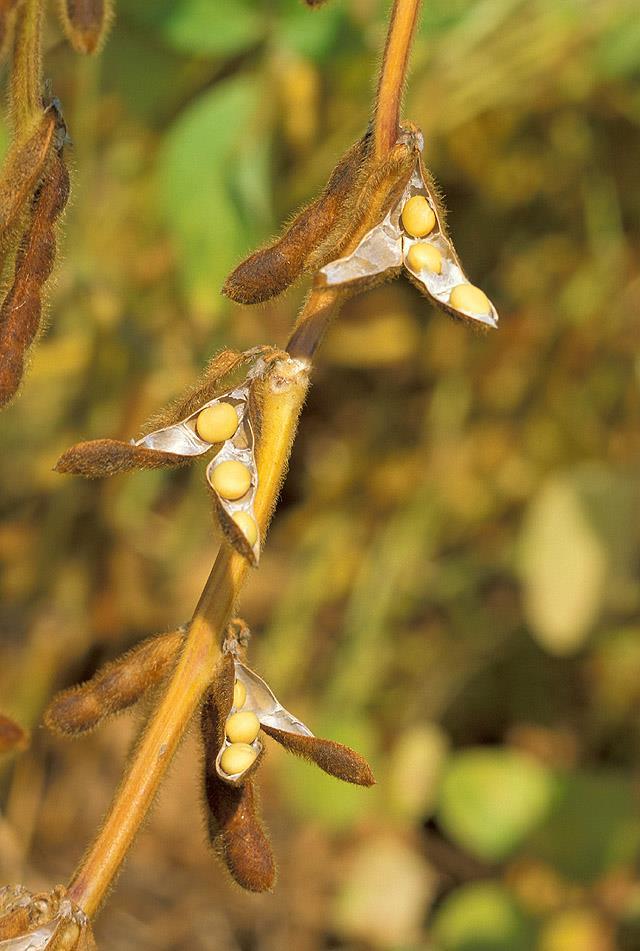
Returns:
(217, 423)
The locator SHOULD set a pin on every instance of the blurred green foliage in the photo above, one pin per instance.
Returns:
(451, 584)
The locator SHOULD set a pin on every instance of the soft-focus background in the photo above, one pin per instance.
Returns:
(451, 584)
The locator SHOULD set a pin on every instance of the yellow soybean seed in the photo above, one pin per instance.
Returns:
(470, 299)
(242, 727)
(217, 423)
(237, 758)
(239, 694)
(424, 257)
(418, 217)
(231, 479)
(247, 526)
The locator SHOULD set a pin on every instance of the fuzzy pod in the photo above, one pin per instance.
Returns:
(21, 309)
(86, 23)
(270, 270)
(334, 758)
(12, 735)
(106, 457)
(23, 169)
(115, 687)
(237, 835)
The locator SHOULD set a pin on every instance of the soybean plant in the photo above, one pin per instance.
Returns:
(379, 215)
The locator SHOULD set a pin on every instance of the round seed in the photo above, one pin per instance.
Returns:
(424, 257)
(239, 694)
(418, 217)
(231, 479)
(247, 526)
(217, 423)
(470, 299)
(242, 727)
(237, 758)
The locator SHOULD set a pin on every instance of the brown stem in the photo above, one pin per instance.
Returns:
(26, 67)
(392, 75)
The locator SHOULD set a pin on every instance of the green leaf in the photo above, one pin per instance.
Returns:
(214, 187)
(594, 829)
(481, 917)
(200, 26)
(492, 799)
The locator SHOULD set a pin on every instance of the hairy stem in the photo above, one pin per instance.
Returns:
(26, 68)
(393, 73)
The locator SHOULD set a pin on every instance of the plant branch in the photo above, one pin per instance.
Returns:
(402, 26)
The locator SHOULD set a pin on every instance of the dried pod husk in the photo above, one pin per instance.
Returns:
(237, 834)
(23, 169)
(86, 23)
(98, 458)
(22, 307)
(334, 758)
(48, 921)
(270, 270)
(117, 686)
(12, 735)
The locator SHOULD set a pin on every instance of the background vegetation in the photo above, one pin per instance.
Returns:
(451, 583)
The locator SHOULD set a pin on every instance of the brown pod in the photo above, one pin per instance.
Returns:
(23, 168)
(232, 534)
(21, 309)
(106, 457)
(334, 758)
(237, 834)
(14, 924)
(115, 687)
(270, 270)
(86, 22)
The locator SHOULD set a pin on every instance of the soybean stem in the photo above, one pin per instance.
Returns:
(26, 66)
(402, 26)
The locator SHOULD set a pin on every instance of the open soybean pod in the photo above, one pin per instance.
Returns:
(413, 235)
(235, 830)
